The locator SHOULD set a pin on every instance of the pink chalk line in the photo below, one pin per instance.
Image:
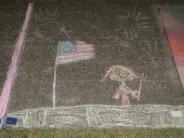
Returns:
(11, 74)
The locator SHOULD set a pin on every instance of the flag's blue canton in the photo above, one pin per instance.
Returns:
(66, 47)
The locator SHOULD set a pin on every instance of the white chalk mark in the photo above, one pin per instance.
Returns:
(142, 18)
(92, 117)
(132, 23)
(45, 118)
(88, 117)
(62, 30)
(151, 116)
(25, 119)
(137, 16)
(122, 17)
(128, 13)
(54, 83)
(176, 113)
(136, 35)
(151, 49)
(134, 12)
(131, 33)
(54, 86)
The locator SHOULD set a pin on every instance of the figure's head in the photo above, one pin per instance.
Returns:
(114, 73)
(109, 73)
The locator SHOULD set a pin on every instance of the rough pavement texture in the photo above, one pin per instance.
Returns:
(118, 40)
(11, 18)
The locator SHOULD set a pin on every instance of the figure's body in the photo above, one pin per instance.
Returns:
(123, 74)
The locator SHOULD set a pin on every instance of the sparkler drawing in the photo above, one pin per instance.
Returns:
(45, 19)
(132, 23)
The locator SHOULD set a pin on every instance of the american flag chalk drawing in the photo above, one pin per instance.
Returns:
(74, 51)
(69, 52)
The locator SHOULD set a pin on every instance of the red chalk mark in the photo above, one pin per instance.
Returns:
(124, 98)
(122, 95)
(11, 74)
(175, 32)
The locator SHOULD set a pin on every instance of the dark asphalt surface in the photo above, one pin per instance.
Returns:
(79, 83)
(11, 18)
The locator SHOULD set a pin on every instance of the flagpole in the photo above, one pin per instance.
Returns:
(54, 83)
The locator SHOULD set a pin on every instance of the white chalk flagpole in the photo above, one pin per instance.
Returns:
(54, 82)
(54, 86)
(11, 74)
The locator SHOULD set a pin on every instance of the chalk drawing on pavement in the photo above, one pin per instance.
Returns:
(69, 52)
(132, 23)
(123, 74)
(74, 51)
(101, 116)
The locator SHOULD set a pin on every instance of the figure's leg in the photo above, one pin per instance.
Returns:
(124, 94)
(125, 99)
(119, 91)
